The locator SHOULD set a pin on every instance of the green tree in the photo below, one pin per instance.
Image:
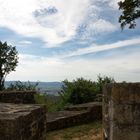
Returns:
(82, 91)
(78, 91)
(101, 81)
(130, 12)
(8, 61)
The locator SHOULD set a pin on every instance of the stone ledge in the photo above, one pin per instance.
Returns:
(24, 97)
(122, 92)
(84, 106)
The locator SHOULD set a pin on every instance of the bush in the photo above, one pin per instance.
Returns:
(52, 102)
(102, 80)
(78, 91)
(82, 91)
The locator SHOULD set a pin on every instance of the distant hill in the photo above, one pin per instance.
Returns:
(45, 87)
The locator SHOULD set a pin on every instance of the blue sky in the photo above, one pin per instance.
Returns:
(69, 39)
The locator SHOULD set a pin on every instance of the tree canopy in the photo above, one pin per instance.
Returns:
(130, 12)
(82, 91)
(78, 91)
(8, 61)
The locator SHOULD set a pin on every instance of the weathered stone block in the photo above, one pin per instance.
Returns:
(121, 111)
(22, 122)
(24, 97)
(136, 114)
(125, 132)
(123, 114)
(125, 93)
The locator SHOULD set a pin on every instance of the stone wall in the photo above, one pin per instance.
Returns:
(121, 111)
(24, 97)
(84, 106)
(64, 119)
(22, 122)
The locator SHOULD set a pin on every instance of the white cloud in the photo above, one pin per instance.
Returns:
(18, 16)
(97, 48)
(100, 26)
(53, 69)
(25, 42)
(56, 28)
(114, 4)
(103, 26)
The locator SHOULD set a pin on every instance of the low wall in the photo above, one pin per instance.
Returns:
(84, 106)
(121, 111)
(22, 122)
(24, 97)
(64, 119)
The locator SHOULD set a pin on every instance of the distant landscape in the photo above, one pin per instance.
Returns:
(44, 87)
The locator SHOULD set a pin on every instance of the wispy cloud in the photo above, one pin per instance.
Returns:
(77, 27)
(98, 48)
(25, 42)
(53, 29)
(53, 21)
(51, 69)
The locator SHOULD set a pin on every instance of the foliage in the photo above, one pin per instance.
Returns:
(52, 102)
(102, 80)
(22, 86)
(40, 98)
(78, 91)
(82, 91)
(130, 12)
(8, 61)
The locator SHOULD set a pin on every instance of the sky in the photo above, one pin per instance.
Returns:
(68, 39)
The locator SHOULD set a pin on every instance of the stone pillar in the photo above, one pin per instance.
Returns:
(121, 111)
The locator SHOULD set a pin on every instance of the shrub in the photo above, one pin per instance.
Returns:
(82, 91)
(78, 91)
(102, 80)
(52, 102)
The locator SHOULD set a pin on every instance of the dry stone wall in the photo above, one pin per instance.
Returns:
(64, 119)
(22, 122)
(24, 97)
(84, 106)
(121, 111)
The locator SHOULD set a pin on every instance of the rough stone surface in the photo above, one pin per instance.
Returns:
(84, 106)
(64, 119)
(24, 97)
(121, 111)
(22, 122)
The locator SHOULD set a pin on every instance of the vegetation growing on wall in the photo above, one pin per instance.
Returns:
(76, 92)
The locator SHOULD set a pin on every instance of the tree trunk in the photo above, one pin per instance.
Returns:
(1, 82)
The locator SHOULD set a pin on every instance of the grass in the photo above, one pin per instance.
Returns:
(52, 102)
(90, 131)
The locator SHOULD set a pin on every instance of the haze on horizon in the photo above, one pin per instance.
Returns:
(69, 39)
